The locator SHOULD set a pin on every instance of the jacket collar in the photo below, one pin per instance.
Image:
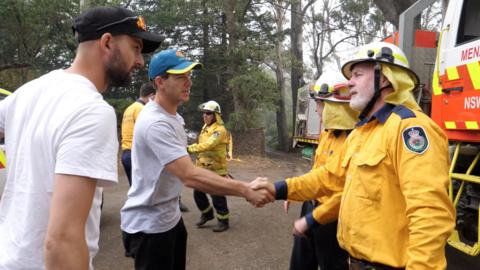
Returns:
(381, 115)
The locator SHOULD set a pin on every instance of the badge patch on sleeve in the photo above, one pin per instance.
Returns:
(216, 134)
(415, 139)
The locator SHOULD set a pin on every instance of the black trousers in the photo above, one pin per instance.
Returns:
(166, 251)
(127, 164)
(219, 203)
(319, 248)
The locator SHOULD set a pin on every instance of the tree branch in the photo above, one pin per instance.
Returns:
(14, 66)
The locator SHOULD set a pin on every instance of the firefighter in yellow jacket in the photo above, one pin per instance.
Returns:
(395, 212)
(318, 247)
(212, 155)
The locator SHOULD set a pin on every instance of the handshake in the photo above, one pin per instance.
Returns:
(260, 192)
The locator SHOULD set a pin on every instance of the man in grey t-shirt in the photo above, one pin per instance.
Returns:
(153, 231)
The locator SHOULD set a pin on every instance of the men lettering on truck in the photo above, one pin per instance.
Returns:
(62, 145)
(315, 244)
(153, 231)
(211, 152)
(395, 211)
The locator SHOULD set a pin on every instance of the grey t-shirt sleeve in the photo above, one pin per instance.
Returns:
(166, 142)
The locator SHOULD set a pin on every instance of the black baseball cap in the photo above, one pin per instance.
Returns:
(95, 22)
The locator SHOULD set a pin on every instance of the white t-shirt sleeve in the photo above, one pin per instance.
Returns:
(89, 146)
(165, 143)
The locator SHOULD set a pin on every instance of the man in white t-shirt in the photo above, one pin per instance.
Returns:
(61, 145)
(153, 230)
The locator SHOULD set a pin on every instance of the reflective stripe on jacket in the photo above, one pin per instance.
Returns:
(395, 208)
(212, 148)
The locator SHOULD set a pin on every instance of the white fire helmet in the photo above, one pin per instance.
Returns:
(331, 86)
(210, 106)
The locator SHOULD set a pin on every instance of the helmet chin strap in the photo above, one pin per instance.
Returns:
(377, 91)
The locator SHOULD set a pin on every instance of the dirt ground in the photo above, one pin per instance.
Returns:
(257, 239)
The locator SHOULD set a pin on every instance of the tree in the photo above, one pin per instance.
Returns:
(35, 35)
(296, 40)
(271, 18)
(254, 103)
(392, 9)
(327, 32)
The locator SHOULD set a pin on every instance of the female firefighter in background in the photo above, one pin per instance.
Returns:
(211, 152)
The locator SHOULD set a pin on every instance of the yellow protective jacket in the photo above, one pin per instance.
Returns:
(395, 209)
(212, 148)
(303, 187)
(128, 122)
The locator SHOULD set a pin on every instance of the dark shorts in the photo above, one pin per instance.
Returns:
(165, 250)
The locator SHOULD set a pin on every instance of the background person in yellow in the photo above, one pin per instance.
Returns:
(395, 211)
(212, 155)
(315, 245)
(130, 115)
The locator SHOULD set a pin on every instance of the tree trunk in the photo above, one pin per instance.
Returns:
(229, 10)
(282, 127)
(206, 52)
(392, 9)
(296, 37)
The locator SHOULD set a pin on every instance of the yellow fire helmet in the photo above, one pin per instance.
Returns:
(381, 52)
(331, 86)
(393, 64)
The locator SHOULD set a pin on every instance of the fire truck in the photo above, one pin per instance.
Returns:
(307, 124)
(456, 108)
(448, 64)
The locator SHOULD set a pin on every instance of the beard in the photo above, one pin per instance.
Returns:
(359, 101)
(116, 72)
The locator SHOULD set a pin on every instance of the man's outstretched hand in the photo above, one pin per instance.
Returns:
(263, 192)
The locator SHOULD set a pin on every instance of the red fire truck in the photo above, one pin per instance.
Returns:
(455, 101)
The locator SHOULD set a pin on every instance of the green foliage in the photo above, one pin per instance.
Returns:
(256, 94)
(36, 36)
(361, 18)
(30, 30)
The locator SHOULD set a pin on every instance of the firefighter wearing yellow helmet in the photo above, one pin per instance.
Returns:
(320, 248)
(395, 212)
(211, 152)
(395, 207)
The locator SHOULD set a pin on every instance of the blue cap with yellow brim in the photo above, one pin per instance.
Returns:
(170, 61)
